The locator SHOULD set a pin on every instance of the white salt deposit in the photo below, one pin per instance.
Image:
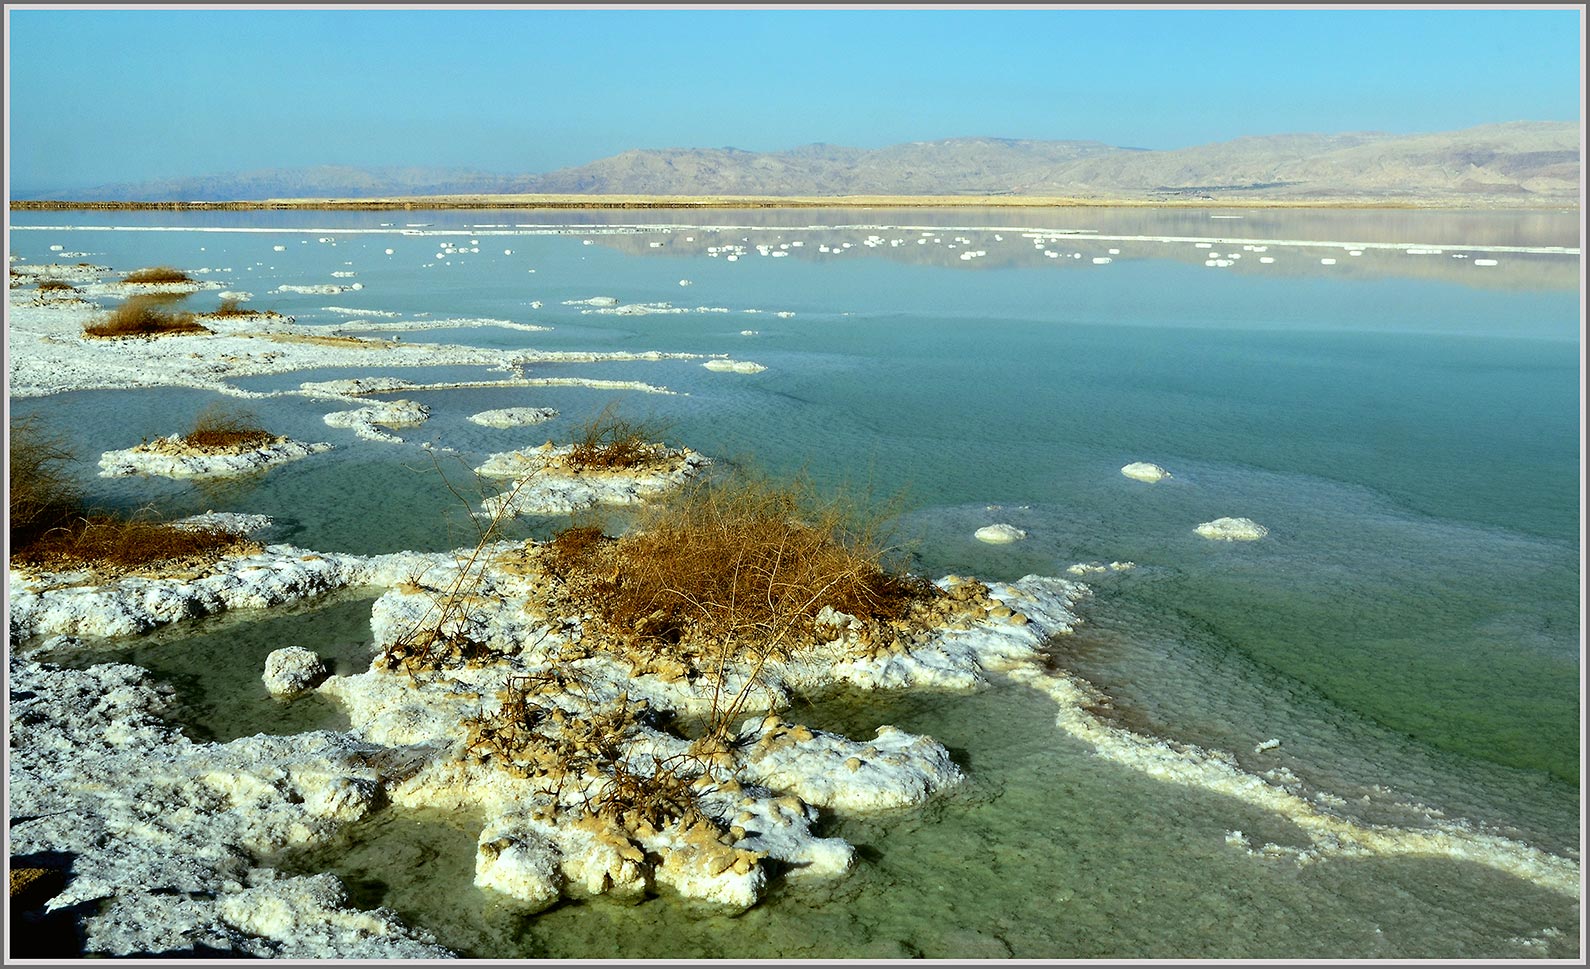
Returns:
(292, 670)
(1000, 534)
(734, 366)
(544, 484)
(390, 413)
(1144, 471)
(513, 416)
(170, 458)
(1232, 530)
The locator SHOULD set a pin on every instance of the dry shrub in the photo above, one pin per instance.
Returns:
(157, 274)
(221, 428)
(142, 316)
(56, 286)
(51, 529)
(109, 544)
(43, 495)
(732, 570)
(610, 443)
(231, 307)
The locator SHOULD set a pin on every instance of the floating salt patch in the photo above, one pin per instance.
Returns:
(1000, 534)
(1115, 252)
(1270, 744)
(1355, 252)
(734, 366)
(686, 282)
(1485, 262)
(1203, 245)
(1327, 262)
(733, 258)
(749, 332)
(1232, 530)
(1101, 260)
(513, 416)
(507, 252)
(1144, 471)
(279, 248)
(56, 248)
(1267, 259)
(389, 252)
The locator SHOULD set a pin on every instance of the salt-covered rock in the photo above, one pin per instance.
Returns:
(513, 416)
(734, 366)
(1232, 530)
(170, 457)
(292, 670)
(518, 862)
(1000, 534)
(1143, 471)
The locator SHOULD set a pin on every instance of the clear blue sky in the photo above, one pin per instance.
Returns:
(102, 96)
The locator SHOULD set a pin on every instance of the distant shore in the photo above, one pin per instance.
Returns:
(768, 202)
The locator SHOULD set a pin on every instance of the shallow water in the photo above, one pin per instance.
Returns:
(1405, 424)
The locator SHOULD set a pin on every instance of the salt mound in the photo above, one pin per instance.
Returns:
(1000, 534)
(1143, 471)
(734, 366)
(171, 457)
(292, 670)
(513, 416)
(1232, 530)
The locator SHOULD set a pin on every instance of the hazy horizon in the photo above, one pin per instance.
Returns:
(102, 97)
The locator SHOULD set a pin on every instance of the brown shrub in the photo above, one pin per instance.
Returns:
(56, 285)
(107, 543)
(221, 428)
(157, 274)
(51, 529)
(743, 563)
(610, 443)
(231, 307)
(142, 316)
(43, 495)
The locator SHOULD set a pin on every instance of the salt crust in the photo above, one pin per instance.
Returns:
(1000, 534)
(513, 416)
(734, 366)
(390, 413)
(1232, 530)
(1143, 471)
(550, 487)
(292, 670)
(170, 459)
(182, 822)
(47, 352)
(164, 833)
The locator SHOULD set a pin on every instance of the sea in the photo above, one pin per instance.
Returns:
(1394, 394)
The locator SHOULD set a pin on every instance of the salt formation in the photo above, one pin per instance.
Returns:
(1232, 530)
(1000, 534)
(513, 416)
(171, 457)
(734, 366)
(1143, 471)
(292, 670)
(545, 482)
(390, 413)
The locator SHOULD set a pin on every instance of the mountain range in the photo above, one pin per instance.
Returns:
(1524, 162)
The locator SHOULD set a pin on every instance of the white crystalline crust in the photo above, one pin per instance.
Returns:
(1232, 530)
(545, 485)
(513, 416)
(164, 832)
(1000, 534)
(142, 460)
(1143, 471)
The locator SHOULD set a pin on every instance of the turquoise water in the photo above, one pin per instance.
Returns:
(1406, 425)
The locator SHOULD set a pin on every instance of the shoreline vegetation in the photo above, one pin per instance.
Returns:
(426, 202)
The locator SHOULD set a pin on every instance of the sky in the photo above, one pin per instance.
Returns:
(100, 95)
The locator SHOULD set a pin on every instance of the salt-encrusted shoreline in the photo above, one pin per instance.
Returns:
(194, 817)
(48, 354)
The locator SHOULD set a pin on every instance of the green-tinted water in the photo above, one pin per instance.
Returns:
(1406, 426)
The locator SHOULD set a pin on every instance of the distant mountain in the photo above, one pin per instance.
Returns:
(1518, 162)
